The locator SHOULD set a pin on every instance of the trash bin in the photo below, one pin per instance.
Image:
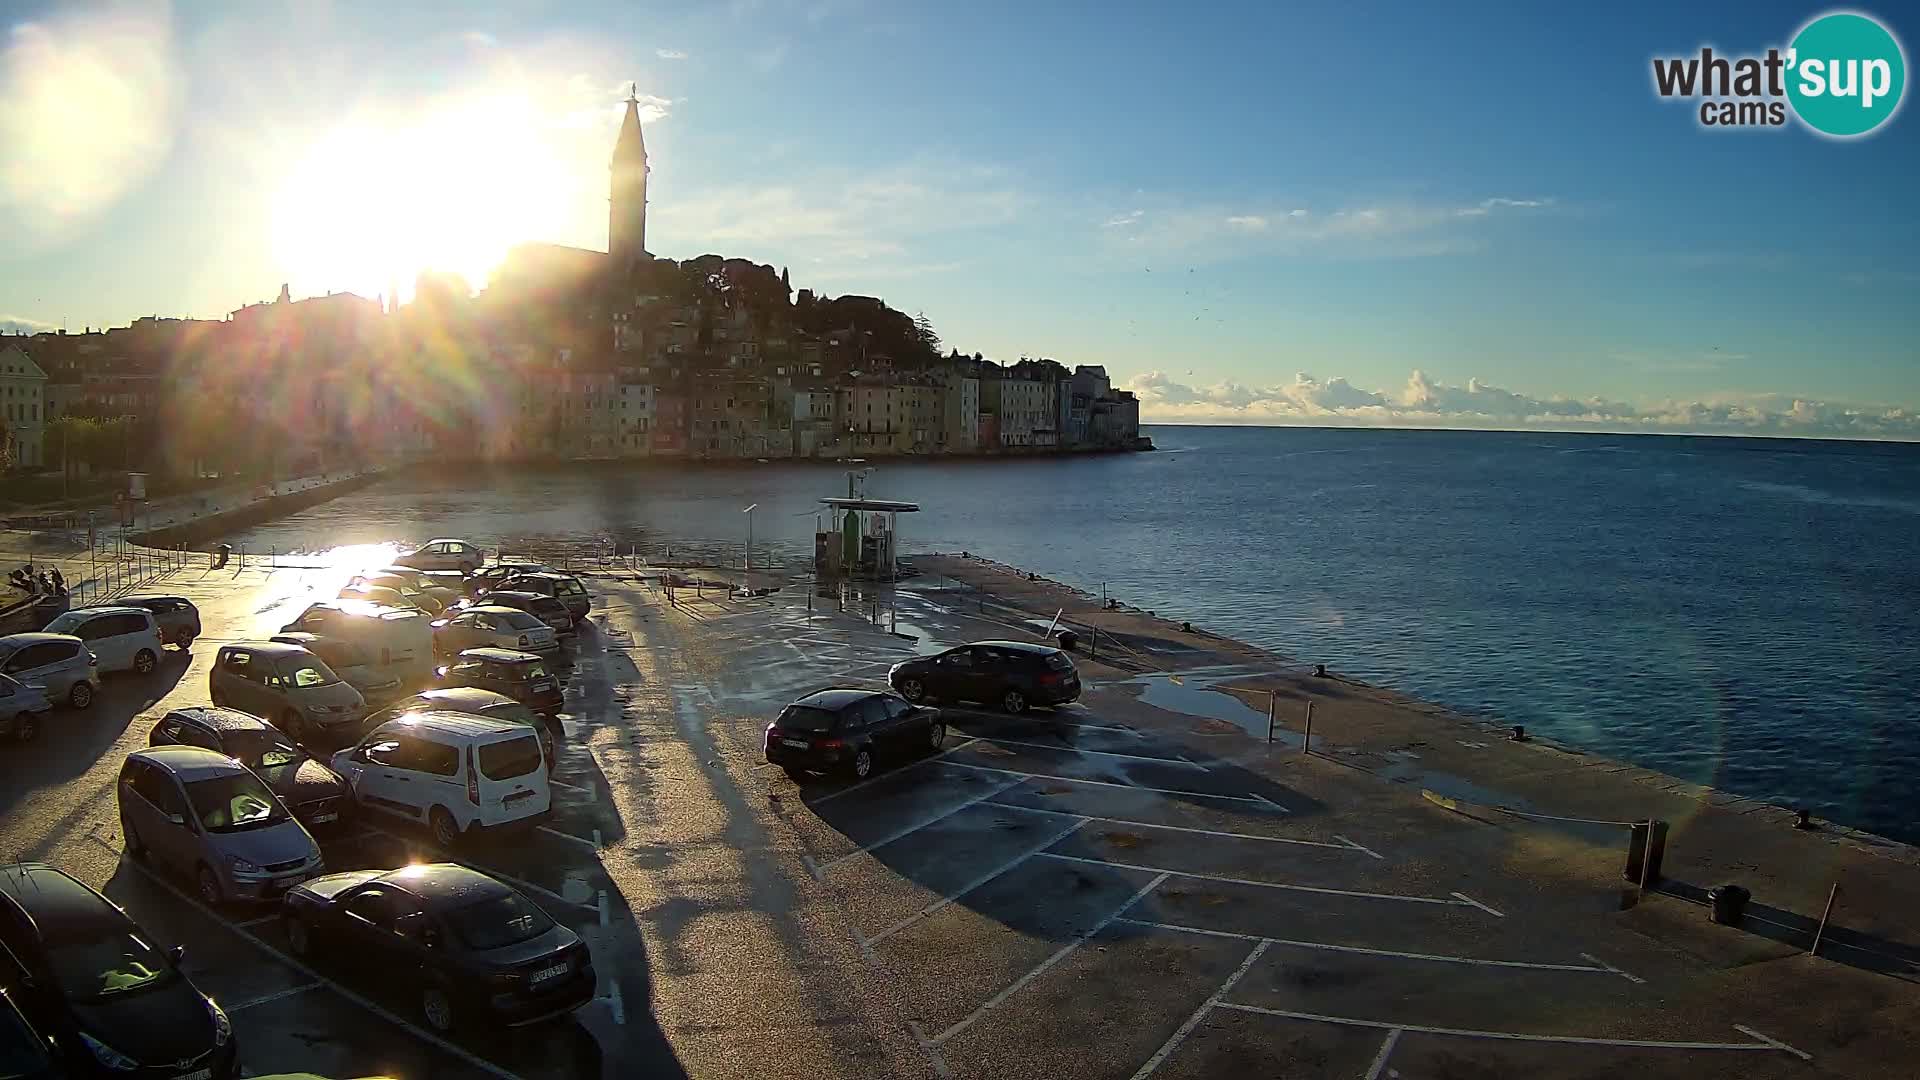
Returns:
(1729, 904)
(1067, 639)
(225, 552)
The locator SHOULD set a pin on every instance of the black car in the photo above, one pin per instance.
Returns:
(474, 949)
(848, 730)
(25, 1053)
(562, 587)
(1010, 674)
(314, 793)
(547, 609)
(85, 975)
(523, 676)
(477, 702)
(177, 618)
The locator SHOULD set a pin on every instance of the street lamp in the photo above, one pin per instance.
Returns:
(749, 560)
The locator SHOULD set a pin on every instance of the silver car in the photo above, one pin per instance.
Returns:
(59, 664)
(207, 816)
(288, 687)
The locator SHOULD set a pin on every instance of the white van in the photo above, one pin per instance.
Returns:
(121, 638)
(399, 640)
(456, 772)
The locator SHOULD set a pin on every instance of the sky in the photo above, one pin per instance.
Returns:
(1392, 213)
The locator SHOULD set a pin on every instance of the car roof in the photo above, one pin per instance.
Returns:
(446, 884)
(271, 648)
(446, 540)
(517, 594)
(189, 762)
(838, 698)
(108, 609)
(464, 698)
(61, 906)
(153, 598)
(545, 575)
(1019, 646)
(352, 606)
(456, 724)
(222, 720)
(35, 638)
(497, 609)
(499, 655)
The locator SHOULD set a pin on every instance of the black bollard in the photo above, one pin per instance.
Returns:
(1519, 733)
(1803, 819)
(1319, 671)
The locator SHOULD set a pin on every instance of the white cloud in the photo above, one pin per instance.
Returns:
(670, 54)
(1120, 221)
(1383, 229)
(1426, 402)
(20, 324)
(1248, 222)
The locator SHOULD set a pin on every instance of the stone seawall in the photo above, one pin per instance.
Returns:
(206, 528)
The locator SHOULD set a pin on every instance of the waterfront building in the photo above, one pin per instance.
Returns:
(22, 408)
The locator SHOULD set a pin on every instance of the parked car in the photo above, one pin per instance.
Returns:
(178, 619)
(442, 585)
(203, 814)
(486, 703)
(392, 597)
(490, 577)
(562, 587)
(21, 707)
(60, 664)
(475, 950)
(1010, 674)
(85, 975)
(399, 638)
(314, 793)
(121, 638)
(849, 730)
(547, 609)
(523, 676)
(494, 625)
(456, 772)
(443, 554)
(288, 686)
(26, 1053)
(349, 661)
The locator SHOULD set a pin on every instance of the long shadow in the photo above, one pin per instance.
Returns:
(72, 740)
(1838, 944)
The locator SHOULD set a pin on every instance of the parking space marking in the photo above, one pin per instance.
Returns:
(900, 834)
(276, 996)
(590, 845)
(1464, 898)
(1514, 1036)
(1180, 1034)
(1045, 965)
(1359, 847)
(1265, 884)
(1181, 763)
(366, 1003)
(851, 788)
(258, 920)
(1386, 1051)
(1348, 846)
(1610, 967)
(570, 787)
(1597, 968)
(1117, 784)
(485, 869)
(974, 884)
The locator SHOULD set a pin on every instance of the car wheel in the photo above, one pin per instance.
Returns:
(446, 831)
(144, 661)
(1014, 702)
(437, 1007)
(863, 764)
(936, 735)
(798, 776)
(913, 690)
(80, 695)
(134, 845)
(299, 937)
(25, 727)
(210, 893)
(294, 726)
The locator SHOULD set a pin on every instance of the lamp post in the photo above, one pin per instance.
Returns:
(749, 559)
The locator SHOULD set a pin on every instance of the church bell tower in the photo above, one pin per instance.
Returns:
(627, 216)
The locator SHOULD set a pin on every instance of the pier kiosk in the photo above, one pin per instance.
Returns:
(860, 538)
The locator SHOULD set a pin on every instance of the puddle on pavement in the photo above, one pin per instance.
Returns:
(1193, 694)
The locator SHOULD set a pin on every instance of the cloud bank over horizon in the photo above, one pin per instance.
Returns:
(1426, 402)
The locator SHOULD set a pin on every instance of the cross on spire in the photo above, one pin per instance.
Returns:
(633, 93)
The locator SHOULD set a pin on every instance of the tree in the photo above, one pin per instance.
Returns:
(924, 332)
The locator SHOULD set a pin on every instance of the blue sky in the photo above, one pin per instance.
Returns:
(1208, 199)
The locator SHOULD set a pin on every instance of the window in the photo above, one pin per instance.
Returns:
(380, 905)
(112, 962)
(158, 788)
(385, 751)
(514, 757)
(499, 921)
(314, 674)
(118, 625)
(235, 802)
(438, 759)
(896, 708)
(37, 656)
(960, 658)
(807, 718)
(873, 711)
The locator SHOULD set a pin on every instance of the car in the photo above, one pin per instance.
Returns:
(442, 585)
(349, 661)
(399, 638)
(121, 638)
(89, 978)
(288, 686)
(1010, 674)
(392, 597)
(849, 730)
(178, 619)
(442, 554)
(25, 1052)
(490, 577)
(456, 772)
(523, 676)
(21, 707)
(562, 587)
(205, 815)
(474, 950)
(315, 794)
(60, 664)
(496, 625)
(486, 703)
(547, 609)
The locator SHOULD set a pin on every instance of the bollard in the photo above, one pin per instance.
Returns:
(1306, 738)
(1824, 915)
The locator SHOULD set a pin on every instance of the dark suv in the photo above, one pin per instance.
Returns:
(523, 676)
(848, 730)
(1010, 674)
(562, 587)
(548, 609)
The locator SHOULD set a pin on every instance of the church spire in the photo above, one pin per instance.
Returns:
(632, 145)
(627, 211)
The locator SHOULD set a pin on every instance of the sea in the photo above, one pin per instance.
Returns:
(1743, 613)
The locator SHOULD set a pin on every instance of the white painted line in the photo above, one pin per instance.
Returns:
(1180, 1034)
(974, 884)
(1359, 847)
(1467, 1033)
(940, 1068)
(1184, 828)
(901, 834)
(265, 998)
(1256, 884)
(1059, 955)
(1178, 762)
(1615, 970)
(1113, 784)
(490, 871)
(813, 868)
(1386, 1051)
(616, 1003)
(1775, 1043)
(600, 901)
(569, 838)
(1100, 727)
(1324, 946)
(851, 788)
(418, 1032)
(570, 787)
(1262, 798)
(1470, 900)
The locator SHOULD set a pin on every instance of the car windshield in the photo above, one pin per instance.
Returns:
(313, 674)
(1058, 661)
(110, 964)
(234, 802)
(65, 623)
(511, 758)
(808, 718)
(528, 672)
(498, 922)
(520, 620)
(261, 750)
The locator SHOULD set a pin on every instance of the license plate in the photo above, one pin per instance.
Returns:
(198, 1074)
(322, 819)
(545, 974)
(797, 744)
(542, 685)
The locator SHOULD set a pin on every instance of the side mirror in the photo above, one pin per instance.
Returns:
(176, 953)
(178, 819)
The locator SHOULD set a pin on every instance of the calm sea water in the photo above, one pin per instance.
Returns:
(1744, 613)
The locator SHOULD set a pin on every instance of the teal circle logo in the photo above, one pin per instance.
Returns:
(1846, 74)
